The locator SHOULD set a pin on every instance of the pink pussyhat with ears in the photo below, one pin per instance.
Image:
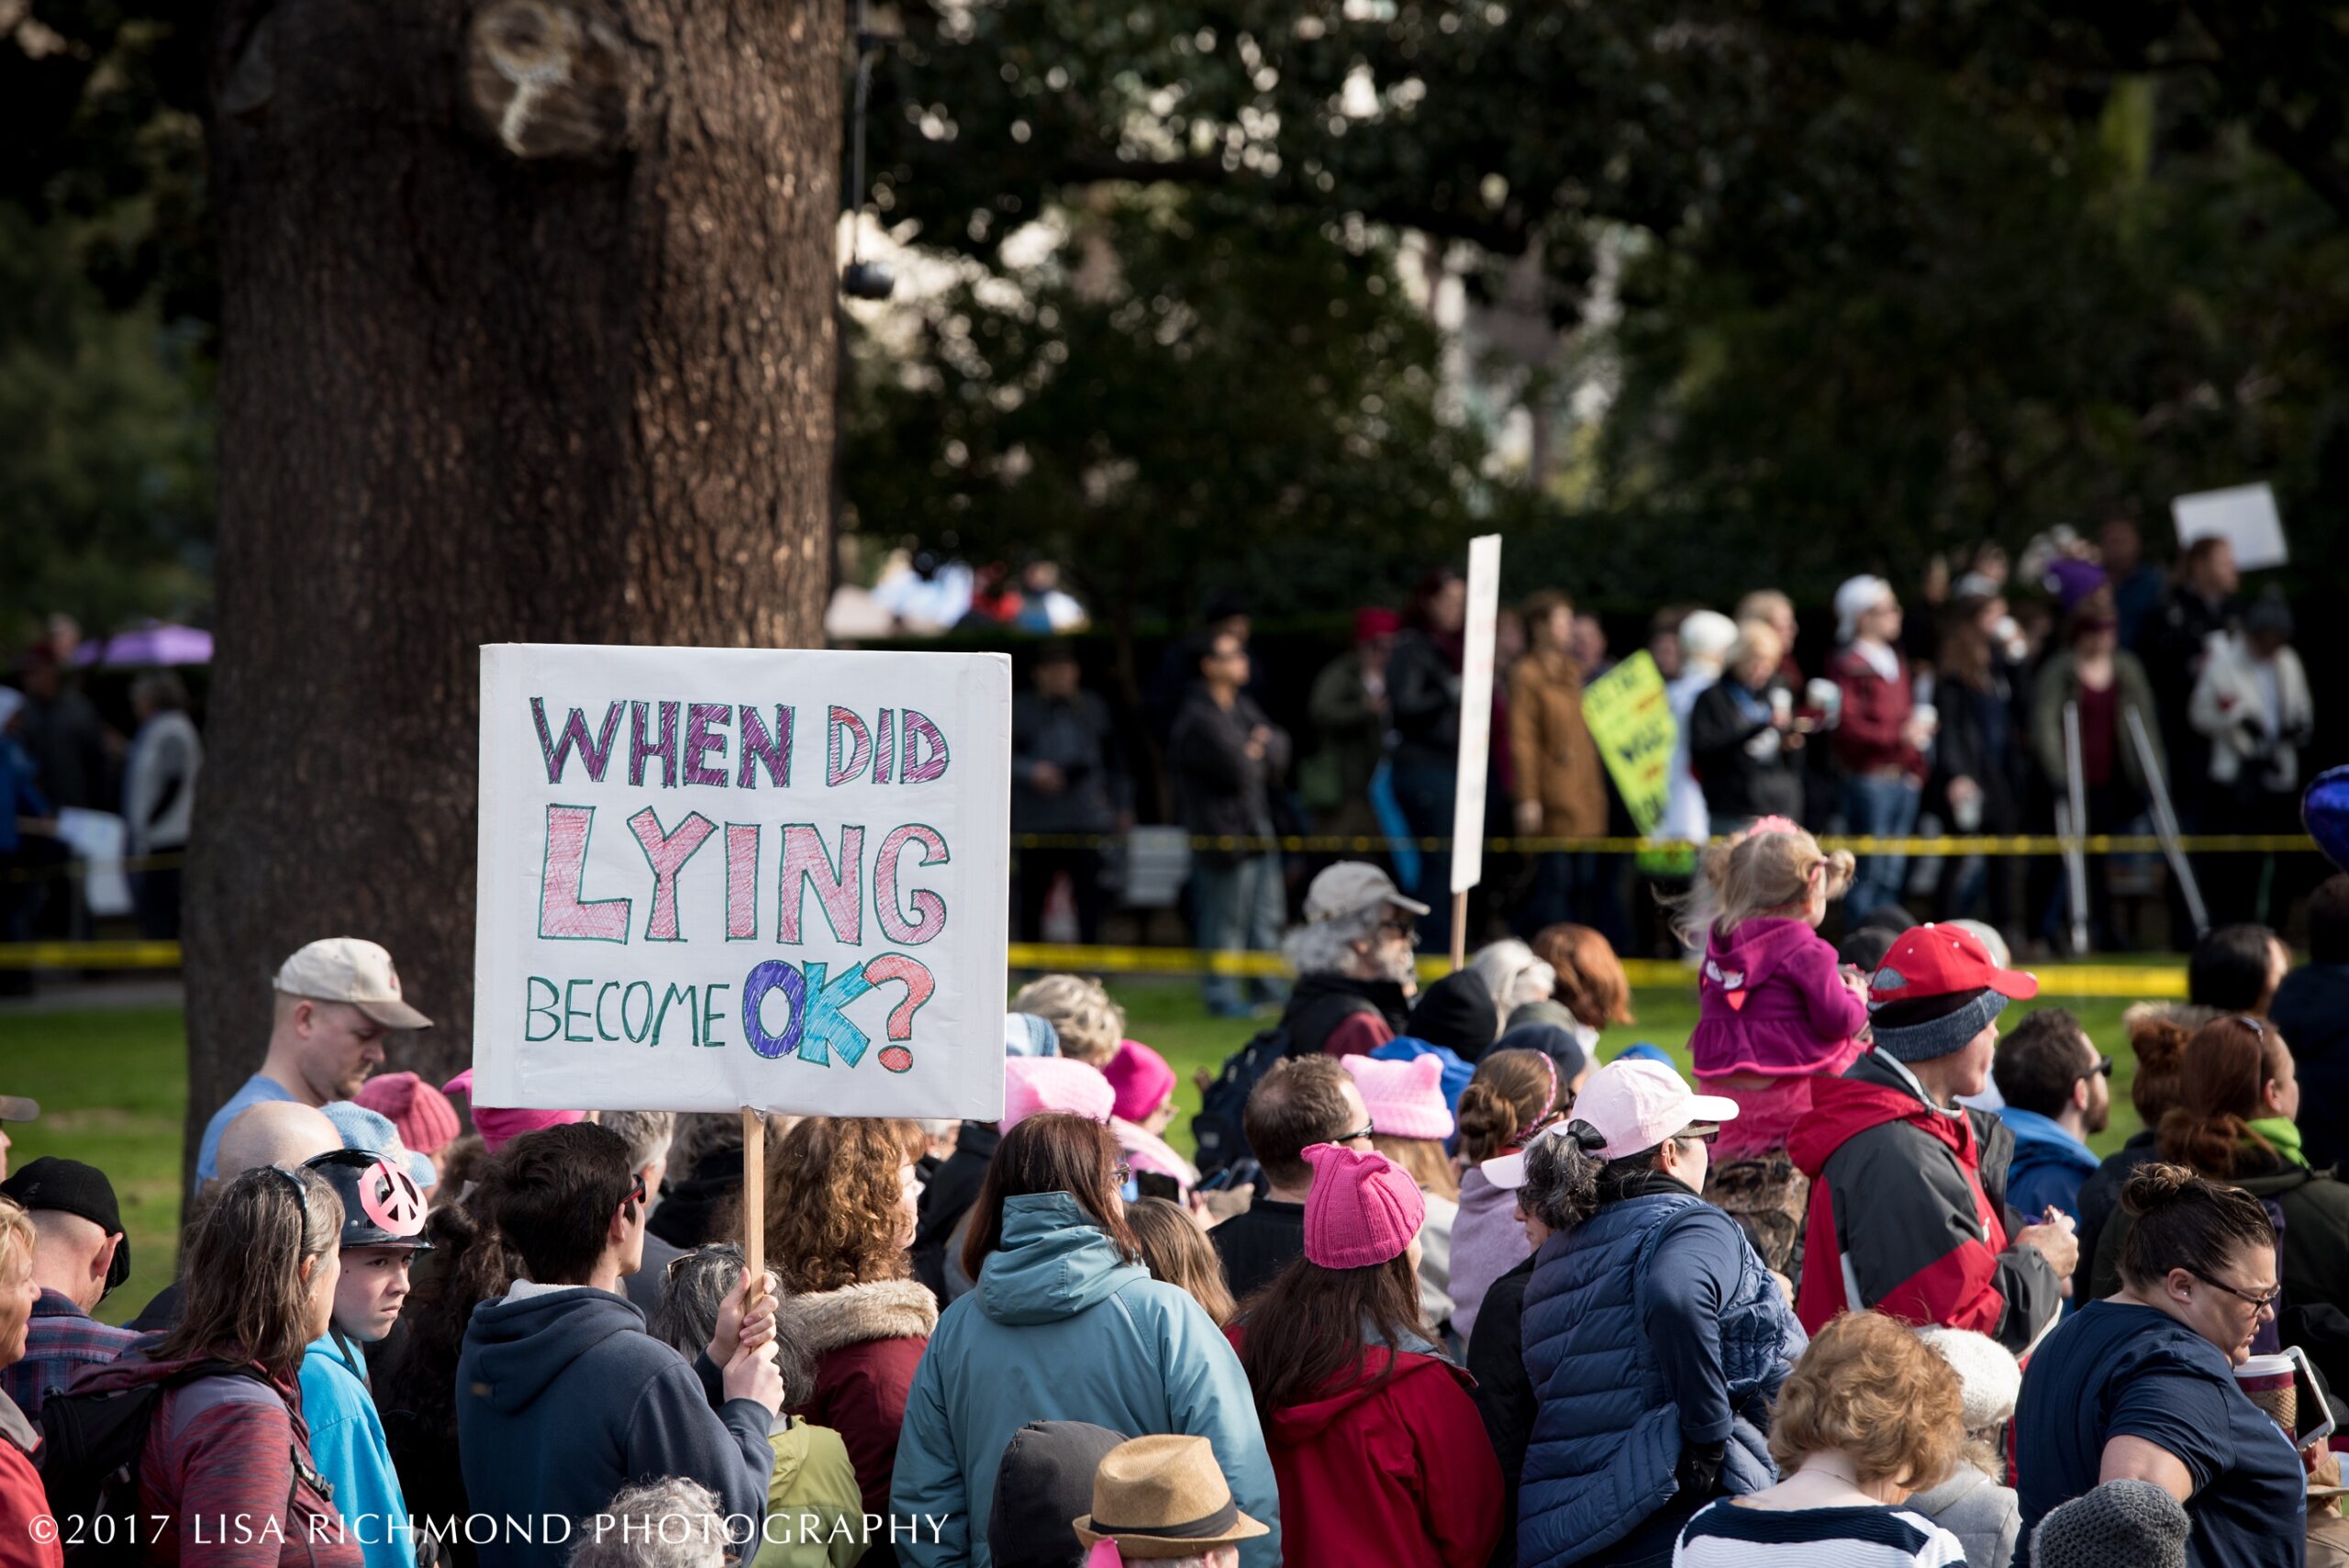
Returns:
(499, 1128)
(1405, 1098)
(1034, 1085)
(1362, 1209)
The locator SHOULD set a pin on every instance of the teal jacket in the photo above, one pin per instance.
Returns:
(1061, 1329)
(347, 1445)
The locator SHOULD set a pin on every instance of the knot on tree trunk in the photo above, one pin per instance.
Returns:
(550, 79)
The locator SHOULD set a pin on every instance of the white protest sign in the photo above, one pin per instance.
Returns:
(712, 878)
(1475, 711)
(2244, 516)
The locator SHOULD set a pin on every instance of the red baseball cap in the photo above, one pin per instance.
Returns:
(1943, 960)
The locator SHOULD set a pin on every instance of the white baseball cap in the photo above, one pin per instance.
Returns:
(1638, 1105)
(1507, 1172)
(346, 969)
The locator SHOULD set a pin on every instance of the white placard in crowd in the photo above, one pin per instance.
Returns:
(722, 877)
(1475, 711)
(2246, 515)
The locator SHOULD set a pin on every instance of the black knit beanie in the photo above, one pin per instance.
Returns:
(1457, 1012)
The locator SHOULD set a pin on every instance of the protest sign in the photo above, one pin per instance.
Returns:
(714, 878)
(2244, 516)
(1475, 711)
(1631, 721)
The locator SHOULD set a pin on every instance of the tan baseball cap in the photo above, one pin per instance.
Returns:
(1350, 887)
(346, 969)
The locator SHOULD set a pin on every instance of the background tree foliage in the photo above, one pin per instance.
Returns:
(1853, 280)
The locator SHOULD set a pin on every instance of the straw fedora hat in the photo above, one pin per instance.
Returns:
(1163, 1496)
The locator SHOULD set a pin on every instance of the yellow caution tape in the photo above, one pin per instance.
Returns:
(1952, 846)
(2148, 982)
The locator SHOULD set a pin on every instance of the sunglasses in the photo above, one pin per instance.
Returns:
(2103, 1068)
(1697, 1132)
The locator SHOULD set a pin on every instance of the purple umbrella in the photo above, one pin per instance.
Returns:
(147, 647)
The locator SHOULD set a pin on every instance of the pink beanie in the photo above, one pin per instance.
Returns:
(426, 1119)
(1406, 1098)
(1141, 1078)
(1034, 1085)
(1362, 1209)
(499, 1128)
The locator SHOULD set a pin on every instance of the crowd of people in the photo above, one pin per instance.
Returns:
(2083, 676)
(1440, 1285)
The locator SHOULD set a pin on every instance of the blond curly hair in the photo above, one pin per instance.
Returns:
(1090, 1025)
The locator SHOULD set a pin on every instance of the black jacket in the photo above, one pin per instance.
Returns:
(1220, 789)
(2311, 1012)
(1077, 738)
(1504, 1394)
(1743, 771)
(1319, 1002)
(1423, 700)
(2100, 1199)
(1983, 737)
(948, 1197)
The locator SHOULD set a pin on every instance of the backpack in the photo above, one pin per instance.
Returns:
(91, 1445)
(1217, 1130)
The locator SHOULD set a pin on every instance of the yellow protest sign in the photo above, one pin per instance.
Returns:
(1631, 722)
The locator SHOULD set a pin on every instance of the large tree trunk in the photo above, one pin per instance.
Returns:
(528, 336)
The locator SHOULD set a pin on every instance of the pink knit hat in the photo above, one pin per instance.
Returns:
(1361, 1209)
(1034, 1085)
(1141, 1078)
(499, 1128)
(1406, 1098)
(426, 1119)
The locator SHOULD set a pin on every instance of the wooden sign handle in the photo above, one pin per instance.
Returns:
(754, 1199)
(1459, 931)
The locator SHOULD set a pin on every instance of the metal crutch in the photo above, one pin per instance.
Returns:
(2166, 824)
(2074, 826)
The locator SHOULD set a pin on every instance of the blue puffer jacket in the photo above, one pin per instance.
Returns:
(1611, 1330)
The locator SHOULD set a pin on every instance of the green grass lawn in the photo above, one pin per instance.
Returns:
(112, 1087)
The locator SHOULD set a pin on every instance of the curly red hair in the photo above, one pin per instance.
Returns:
(832, 1202)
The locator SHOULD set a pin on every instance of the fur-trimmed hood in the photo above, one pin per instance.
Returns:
(823, 1321)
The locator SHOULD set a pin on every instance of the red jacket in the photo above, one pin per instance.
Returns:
(866, 1341)
(22, 1497)
(228, 1462)
(1872, 734)
(1898, 1220)
(1399, 1473)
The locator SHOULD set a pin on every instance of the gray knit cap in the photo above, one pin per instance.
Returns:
(2122, 1524)
(1939, 1037)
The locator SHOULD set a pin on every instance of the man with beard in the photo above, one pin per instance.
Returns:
(335, 1000)
(2059, 1093)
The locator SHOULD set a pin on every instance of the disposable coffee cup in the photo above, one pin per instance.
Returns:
(1782, 704)
(2267, 1381)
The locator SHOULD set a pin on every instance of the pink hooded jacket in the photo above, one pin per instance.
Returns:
(1769, 1002)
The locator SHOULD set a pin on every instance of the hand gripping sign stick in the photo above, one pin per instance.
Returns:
(1475, 732)
(2074, 826)
(2165, 822)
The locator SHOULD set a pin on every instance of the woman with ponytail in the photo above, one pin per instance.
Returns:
(1513, 1094)
(2158, 1040)
(1774, 1010)
(224, 1477)
(2233, 1123)
(1655, 1337)
(2141, 1385)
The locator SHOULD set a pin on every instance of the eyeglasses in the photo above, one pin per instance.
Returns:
(1697, 1133)
(1368, 1128)
(2263, 1303)
(1402, 929)
(2103, 1068)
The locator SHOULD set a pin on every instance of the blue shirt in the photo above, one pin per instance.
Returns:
(2118, 1369)
(2048, 1167)
(258, 1089)
(348, 1448)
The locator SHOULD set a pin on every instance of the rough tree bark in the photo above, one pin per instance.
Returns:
(528, 336)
